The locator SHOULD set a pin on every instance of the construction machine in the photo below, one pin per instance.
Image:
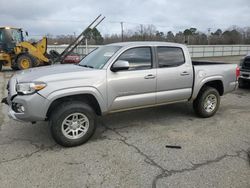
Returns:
(19, 54)
(56, 57)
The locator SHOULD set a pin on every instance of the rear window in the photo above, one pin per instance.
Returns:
(170, 56)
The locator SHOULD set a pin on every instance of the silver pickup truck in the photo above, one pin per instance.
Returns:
(116, 77)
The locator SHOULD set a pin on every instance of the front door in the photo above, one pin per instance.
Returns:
(136, 86)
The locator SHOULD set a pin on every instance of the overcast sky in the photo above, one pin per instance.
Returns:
(56, 17)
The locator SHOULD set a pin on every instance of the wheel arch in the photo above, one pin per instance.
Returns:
(85, 97)
(214, 83)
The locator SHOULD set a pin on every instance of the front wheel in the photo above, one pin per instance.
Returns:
(72, 123)
(24, 61)
(207, 102)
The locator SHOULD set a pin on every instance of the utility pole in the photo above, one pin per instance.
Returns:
(141, 30)
(86, 46)
(208, 37)
(122, 30)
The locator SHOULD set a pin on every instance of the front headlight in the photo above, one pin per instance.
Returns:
(29, 88)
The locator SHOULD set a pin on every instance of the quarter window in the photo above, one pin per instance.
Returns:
(138, 58)
(170, 56)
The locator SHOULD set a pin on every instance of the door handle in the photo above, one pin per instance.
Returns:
(150, 76)
(184, 73)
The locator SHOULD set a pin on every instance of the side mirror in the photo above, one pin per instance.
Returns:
(120, 65)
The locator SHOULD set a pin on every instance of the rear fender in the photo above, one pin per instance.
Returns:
(199, 84)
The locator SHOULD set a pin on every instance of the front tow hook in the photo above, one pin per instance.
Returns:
(5, 101)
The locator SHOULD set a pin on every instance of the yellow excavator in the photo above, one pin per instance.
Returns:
(19, 54)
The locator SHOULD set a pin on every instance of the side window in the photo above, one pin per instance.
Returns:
(138, 58)
(170, 56)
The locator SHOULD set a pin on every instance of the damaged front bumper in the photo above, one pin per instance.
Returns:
(27, 108)
(11, 113)
(5, 101)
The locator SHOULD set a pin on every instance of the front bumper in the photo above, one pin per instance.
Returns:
(35, 107)
(11, 115)
(5, 101)
(245, 75)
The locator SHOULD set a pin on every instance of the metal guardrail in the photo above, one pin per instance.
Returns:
(81, 49)
(195, 50)
(218, 50)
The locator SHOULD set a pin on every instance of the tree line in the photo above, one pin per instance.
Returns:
(191, 36)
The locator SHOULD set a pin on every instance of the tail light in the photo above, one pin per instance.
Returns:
(237, 73)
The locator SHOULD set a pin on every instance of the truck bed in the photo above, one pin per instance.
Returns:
(206, 70)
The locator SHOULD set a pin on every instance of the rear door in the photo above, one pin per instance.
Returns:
(174, 75)
(135, 87)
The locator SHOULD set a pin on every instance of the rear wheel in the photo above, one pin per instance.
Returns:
(207, 102)
(24, 61)
(72, 123)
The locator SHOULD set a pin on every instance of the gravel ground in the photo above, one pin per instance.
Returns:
(128, 149)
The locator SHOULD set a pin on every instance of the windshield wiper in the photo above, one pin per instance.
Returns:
(88, 66)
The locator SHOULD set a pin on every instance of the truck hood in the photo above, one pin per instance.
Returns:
(49, 73)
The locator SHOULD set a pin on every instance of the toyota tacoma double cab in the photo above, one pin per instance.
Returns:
(113, 78)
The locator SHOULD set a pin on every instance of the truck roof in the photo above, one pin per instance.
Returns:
(146, 43)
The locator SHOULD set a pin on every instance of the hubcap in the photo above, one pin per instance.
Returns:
(210, 103)
(75, 126)
(25, 63)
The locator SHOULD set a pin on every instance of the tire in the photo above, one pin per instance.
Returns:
(64, 128)
(1, 66)
(242, 83)
(24, 61)
(210, 97)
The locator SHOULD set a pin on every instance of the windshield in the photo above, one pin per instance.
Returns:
(99, 57)
(11, 35)
(15, 35)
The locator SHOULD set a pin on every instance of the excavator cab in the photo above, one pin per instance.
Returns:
(9, 37)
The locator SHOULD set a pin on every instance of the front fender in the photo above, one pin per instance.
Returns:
(77, 91)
